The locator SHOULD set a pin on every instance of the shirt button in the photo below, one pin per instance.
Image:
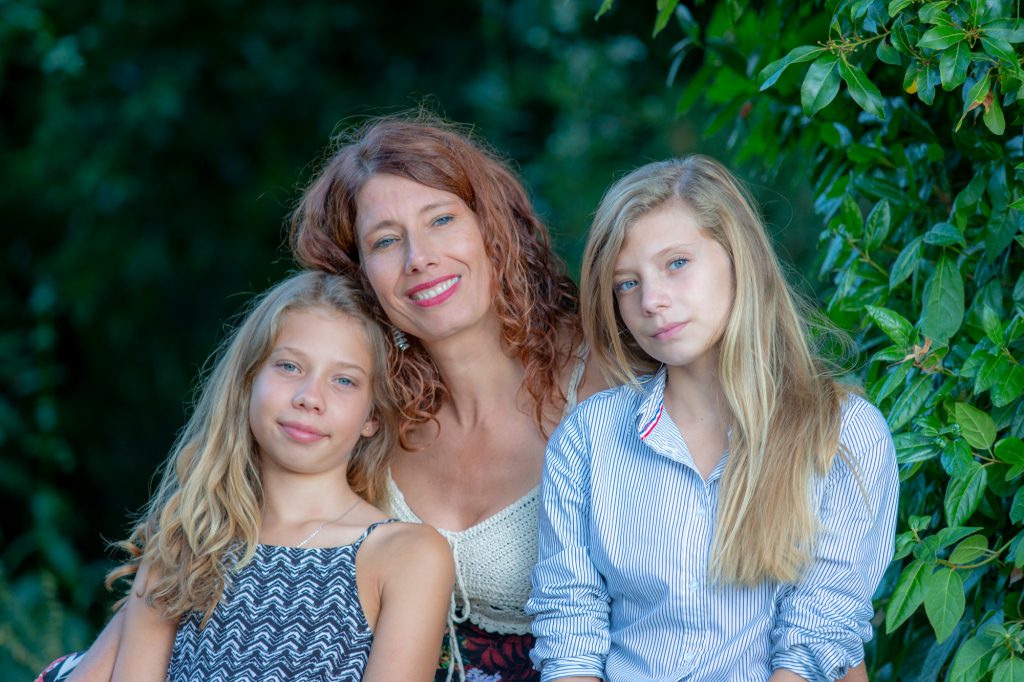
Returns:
(694, 586)
(700, 510)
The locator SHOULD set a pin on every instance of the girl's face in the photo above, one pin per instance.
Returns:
(674, 287)
(422, 250)
(311, 399)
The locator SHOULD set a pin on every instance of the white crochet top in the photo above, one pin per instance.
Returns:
(493, 558)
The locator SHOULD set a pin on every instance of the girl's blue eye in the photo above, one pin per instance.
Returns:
(345, 381)
(442, 220)
(288, 366)
(624, 286)
(677, 263)
(383, 243)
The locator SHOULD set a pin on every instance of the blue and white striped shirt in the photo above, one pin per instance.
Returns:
(621, 589)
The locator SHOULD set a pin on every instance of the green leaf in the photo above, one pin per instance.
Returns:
(1000, 49)
(963, 495)
(999, 233)
(969, 550)
(1010, 383)
(943, 601)
(943, 301)
(896, 6)
(987, 374)
(993, 117)
(1017, 507)
(914, 447)
(878, 224)
(978, 92)
(953, 65)
(864, 92)
(888, 54)
(665, 10)
(967, 664)
(941, 37)
(770, 73)
(910, 402)
(952, 534)
(894, 325)
(605, 6)
(1010, 670)
(932, 12)
(907, 595)
(1010, 450)
(944, 234)
(927, 80)
(821, 84)
(977, 427)
(1010, 30)
(906, 263)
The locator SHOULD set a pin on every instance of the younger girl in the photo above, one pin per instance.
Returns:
(729, 516)
(260, 557)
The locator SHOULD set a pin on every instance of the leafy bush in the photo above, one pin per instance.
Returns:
(907, 115)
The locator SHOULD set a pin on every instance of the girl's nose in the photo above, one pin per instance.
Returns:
(308, 397)
(654, 298)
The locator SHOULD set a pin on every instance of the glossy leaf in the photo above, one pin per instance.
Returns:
(896, 6)
(1000, 49)
(941, 37)
(770, 73)
(1010, 450)
(993, 117)
(863, 91)
(1017, 507)
(970, 549)
(945, 234)
(964, 495)
(895, 326)
(977, 427)
(1010, 30)
(953, 63)
(967, 664)
(907, 595)
(1009, 382)
(943, 600)
(943, 301)
(1010, 670)
(909, 403)
(906, 262)
(820, 85)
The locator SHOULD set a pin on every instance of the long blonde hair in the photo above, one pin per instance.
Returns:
(203, 520)
(784, 402)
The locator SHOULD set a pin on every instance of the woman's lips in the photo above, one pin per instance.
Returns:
(434, 292)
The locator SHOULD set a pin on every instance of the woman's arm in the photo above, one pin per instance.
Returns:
(146, 637)
(416, 578)
(824, 620)
(97, 665)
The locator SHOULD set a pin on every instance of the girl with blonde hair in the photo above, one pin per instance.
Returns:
(728, 512)
(261, 555)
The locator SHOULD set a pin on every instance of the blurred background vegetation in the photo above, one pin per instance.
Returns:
(149, 154)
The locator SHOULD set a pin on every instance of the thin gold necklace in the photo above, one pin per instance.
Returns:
(327, 523)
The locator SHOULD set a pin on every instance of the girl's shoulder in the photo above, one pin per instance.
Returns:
(410, 543)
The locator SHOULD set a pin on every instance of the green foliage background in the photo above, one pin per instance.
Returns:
(149, 153)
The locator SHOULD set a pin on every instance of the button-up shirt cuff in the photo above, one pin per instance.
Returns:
(578, 666)
(816, 664)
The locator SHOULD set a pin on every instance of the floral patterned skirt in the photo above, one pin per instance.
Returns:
(59, 669)
(489, 657)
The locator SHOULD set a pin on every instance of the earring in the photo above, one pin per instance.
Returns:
(401, 342)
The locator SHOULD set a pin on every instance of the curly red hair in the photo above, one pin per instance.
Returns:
(535, 300)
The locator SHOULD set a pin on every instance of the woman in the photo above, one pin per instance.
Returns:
(444, 235)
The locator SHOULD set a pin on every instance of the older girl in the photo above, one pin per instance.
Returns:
(728, 512)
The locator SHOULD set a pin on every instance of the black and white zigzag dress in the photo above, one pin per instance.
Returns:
(290, 614)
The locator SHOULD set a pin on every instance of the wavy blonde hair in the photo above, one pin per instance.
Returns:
(534, 299)
(783, 399)
(203, 521)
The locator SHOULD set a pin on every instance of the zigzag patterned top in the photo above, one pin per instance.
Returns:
(290, 614)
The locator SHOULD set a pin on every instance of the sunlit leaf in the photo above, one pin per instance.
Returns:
(977, 427)
(943, 600)
(770, 73)
(895, 326)
(864, 92)
(941, 37)
(953, 64)
(907, 595)
(943, 301)
(969, 549)
(820, 85)
(963, 495)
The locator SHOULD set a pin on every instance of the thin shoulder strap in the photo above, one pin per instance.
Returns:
(571, 398)
(369, 530)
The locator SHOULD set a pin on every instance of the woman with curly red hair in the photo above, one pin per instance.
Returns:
(488, 354)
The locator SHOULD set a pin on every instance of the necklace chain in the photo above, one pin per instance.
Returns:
(323, 525)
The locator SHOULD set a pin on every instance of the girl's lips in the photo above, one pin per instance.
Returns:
(668, 331)
(301, 433)
(434, 292)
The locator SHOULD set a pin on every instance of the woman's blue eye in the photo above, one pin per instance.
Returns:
(442, 220)
(623, 287)
(384, 242)
(677, 263)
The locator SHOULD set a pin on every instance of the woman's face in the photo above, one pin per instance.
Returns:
(423, 253)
